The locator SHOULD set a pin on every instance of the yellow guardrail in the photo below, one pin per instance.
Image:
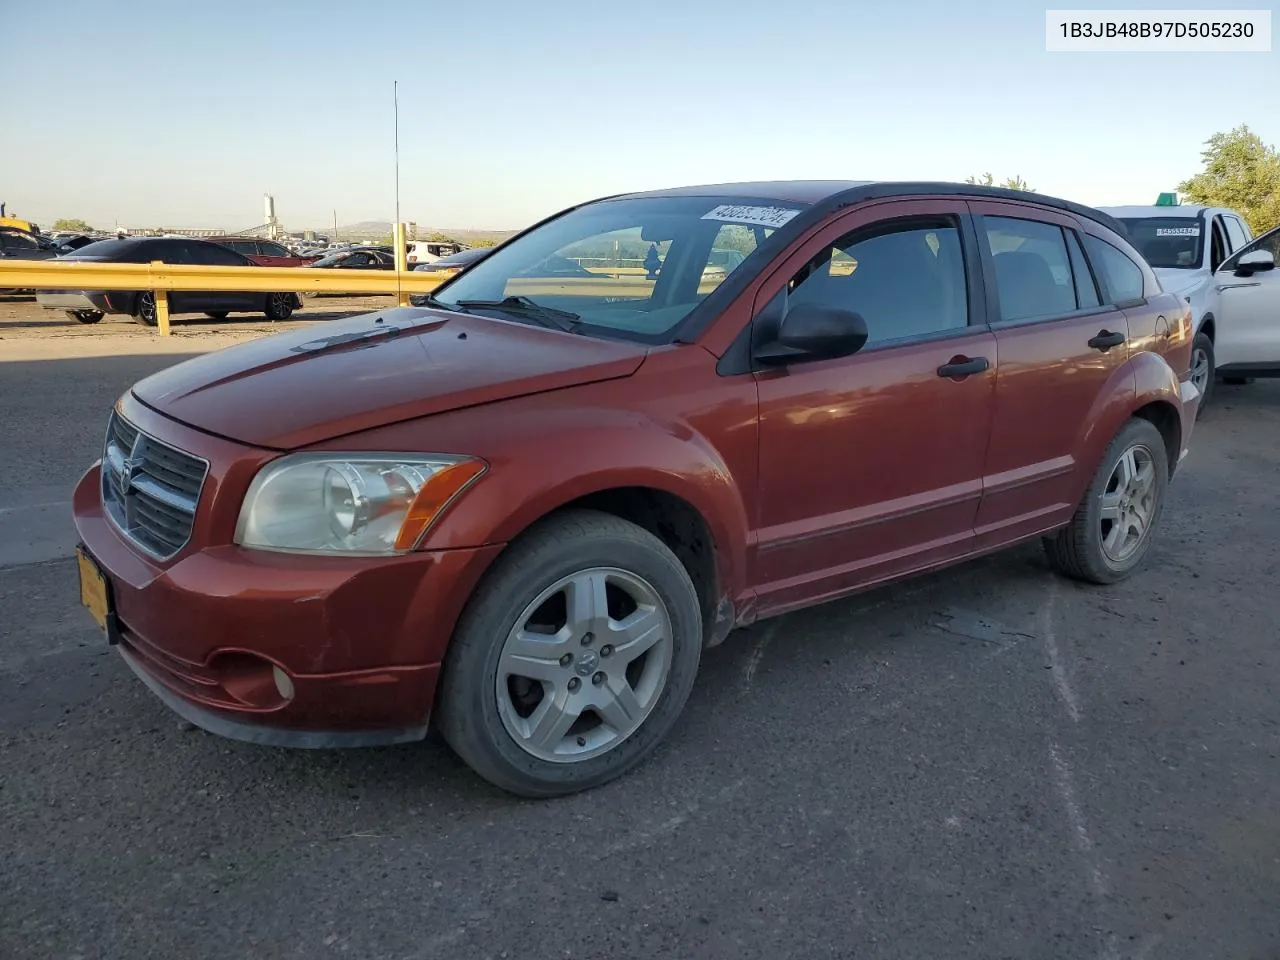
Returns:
(165, 278)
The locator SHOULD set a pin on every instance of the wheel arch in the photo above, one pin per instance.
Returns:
(1209, 327)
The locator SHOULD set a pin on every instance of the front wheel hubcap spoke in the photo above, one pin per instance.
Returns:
(619, 707)
(550, 722)
(637, 633)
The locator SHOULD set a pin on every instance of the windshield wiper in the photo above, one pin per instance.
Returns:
(524, 307)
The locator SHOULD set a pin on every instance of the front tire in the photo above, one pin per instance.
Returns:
(574, 657)
(1113, 526)
(145, 312)
(279, 306)
(85, 316)
(216, 314)
(1202, 369)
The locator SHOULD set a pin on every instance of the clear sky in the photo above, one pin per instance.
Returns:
(183, 113)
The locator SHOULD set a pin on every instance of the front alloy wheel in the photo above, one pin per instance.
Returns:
(574, 657)
(584, 665)
(1202, 369)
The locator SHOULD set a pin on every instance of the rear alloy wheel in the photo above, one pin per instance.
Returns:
(1114, 524)
(279, 306)
(1202, 367)
(146, 312)
(85, 316)
(574, 658)
(216, 314)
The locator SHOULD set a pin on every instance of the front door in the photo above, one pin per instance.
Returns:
(1248, 314)
(871, 465)
(1060, 344)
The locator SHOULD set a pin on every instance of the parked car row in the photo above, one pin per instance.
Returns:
(533, 504)
(89, 306)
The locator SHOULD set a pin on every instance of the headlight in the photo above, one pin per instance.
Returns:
(362, 504)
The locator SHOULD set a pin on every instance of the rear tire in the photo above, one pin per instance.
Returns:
(1099, 545)
(1089, 548)
(279, 306)
(85, 316)
(145, 311)
(1202, 369)
(491, 714)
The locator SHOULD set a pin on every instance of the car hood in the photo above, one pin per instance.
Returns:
(304, 387)
(1180, 282)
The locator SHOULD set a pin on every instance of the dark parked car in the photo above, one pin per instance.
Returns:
(355, 258)
(19, 245)
(522, 515)
(89, 306)
(455, 261)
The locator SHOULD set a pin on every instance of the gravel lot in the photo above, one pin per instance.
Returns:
(988, 762)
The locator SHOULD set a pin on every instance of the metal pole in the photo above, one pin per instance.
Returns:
(395, 93)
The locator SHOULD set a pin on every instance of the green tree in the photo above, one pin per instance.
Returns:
(1242, 173)
(1009, 183)
(72, 226)
(484, 242)
(435, 236)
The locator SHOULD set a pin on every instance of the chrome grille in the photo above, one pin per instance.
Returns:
(149, 488)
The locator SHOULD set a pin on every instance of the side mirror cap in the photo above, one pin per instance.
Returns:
(812, 332)
(1253, 261)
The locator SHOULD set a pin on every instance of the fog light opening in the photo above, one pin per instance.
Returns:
(284, 685)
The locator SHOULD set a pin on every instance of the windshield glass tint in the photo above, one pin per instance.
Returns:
(1167, 241)
(634, 266)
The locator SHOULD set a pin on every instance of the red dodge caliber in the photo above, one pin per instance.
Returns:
(520, 512)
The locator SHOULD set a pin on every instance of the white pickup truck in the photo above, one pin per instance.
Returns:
(1209, 256)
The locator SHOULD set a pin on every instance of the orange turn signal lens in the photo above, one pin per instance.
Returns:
(440, 490)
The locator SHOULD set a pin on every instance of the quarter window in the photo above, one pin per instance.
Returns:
(1033, 270)
(1122, 276)
(906, 279)
(1086, 287)
(1235, 233)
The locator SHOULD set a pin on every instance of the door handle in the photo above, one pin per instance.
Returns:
(1105, 340)
(960, 367)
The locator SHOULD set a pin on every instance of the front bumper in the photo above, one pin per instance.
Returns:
(359, 640)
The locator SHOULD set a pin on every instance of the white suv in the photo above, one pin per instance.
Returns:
(1186, 245)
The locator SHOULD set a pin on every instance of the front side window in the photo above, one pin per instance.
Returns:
(1269, 241)
(633, 267)
(1167, 242)
(272, 249)
(904, 277)
(1122, 276)
(1033, 271)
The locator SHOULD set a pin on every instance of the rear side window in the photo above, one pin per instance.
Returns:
(1033, 271)
(1123, 277)
(213, 254)
(905, 277)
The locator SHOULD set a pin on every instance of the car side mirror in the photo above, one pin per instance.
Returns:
(812, 332)
(1253, 261)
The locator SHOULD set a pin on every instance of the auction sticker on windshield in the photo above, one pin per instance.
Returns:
(1177, 231)
(757, 216)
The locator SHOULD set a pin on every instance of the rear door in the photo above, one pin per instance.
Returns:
(219, 301)
(1061, 349)
(871, 465)
(1248, 305)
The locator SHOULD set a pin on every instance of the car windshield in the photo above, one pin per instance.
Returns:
(1170, 242)
(331, 259)
(633, 267)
